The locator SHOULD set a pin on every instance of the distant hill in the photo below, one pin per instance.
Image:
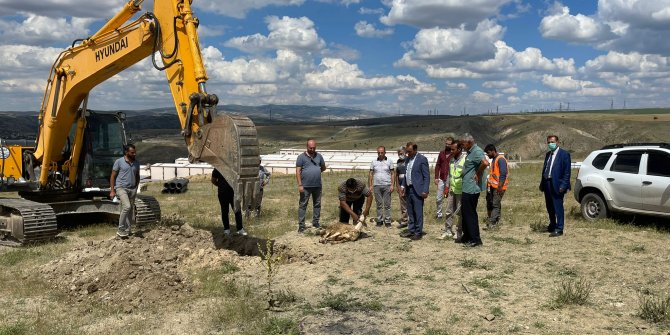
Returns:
(522, 135)
(24, 124)
(265, 114)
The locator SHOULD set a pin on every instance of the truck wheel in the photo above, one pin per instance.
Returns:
(593, 207)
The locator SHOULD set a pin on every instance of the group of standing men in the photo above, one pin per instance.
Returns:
(458, 176)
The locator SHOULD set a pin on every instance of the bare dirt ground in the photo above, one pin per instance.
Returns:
(386, 284)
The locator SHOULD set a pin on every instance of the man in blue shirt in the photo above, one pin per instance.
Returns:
(123, 183)
(308, 168)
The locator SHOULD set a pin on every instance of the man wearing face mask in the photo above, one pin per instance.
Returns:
(401, 169)
(555, 183)
(442, 173)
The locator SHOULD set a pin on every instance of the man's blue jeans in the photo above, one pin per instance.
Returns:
(315, 194)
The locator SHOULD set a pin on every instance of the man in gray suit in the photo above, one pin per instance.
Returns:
(415, 189)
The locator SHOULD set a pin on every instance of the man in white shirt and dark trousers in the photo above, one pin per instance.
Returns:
(381, 178)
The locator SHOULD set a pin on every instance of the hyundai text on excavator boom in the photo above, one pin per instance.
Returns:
(58, 174)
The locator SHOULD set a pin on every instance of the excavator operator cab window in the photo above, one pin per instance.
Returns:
(104, 141)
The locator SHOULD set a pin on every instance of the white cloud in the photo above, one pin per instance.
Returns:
(479, 96)
(342, 2)
(506, 62)
(597, 92)
(619, 25)
(210, 31)
(287, 64)
(639, 13)
(240, 8)
(285, 33)
(457, 86)
(497, 84)
(38, 30)
(338, 75)
(371, 11)
(566, 83)
(61, 8)
(574, 28)
(336, 50)
(441, 13)
(450, 72)
(255, 90)
(24, 61)
(365, 29)
(441, 46)
(513, 99)
(641, 65)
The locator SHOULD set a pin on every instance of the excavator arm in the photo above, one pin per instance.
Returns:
(227, 142)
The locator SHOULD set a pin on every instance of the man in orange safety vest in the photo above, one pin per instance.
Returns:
(496, 185)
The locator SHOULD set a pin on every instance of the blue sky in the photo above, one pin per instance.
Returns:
(393, 56)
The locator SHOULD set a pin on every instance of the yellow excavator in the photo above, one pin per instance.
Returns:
(67, 169)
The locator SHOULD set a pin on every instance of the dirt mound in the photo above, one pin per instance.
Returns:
(148, 269)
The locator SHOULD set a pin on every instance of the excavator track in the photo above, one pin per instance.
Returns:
(24, 221)
(147, 210)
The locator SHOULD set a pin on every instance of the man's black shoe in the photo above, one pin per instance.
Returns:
(415, 237)
(406, 234)
(473, 244)
(556, 234)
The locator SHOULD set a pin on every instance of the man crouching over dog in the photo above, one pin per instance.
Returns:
(351, 193)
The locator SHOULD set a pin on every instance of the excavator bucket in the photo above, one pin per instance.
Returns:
(230, 145)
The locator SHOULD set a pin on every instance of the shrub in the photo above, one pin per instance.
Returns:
(280, 326)
(654, 309)
(572, 292)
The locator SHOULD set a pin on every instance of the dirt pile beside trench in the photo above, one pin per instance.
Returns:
(154, 268)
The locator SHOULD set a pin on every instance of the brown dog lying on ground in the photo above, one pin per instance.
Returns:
(343, 232)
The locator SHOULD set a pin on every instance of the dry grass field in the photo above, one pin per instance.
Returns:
(184, 277)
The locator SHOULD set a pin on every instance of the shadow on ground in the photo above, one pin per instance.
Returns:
(242, 245)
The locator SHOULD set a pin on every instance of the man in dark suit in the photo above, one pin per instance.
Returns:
(415, 189)
(555, 183)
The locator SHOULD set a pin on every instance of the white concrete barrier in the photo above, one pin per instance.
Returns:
(284, 163)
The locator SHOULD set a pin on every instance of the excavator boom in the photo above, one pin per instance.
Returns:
(227, 143)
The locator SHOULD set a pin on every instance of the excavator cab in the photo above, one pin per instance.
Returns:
(104, 139)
